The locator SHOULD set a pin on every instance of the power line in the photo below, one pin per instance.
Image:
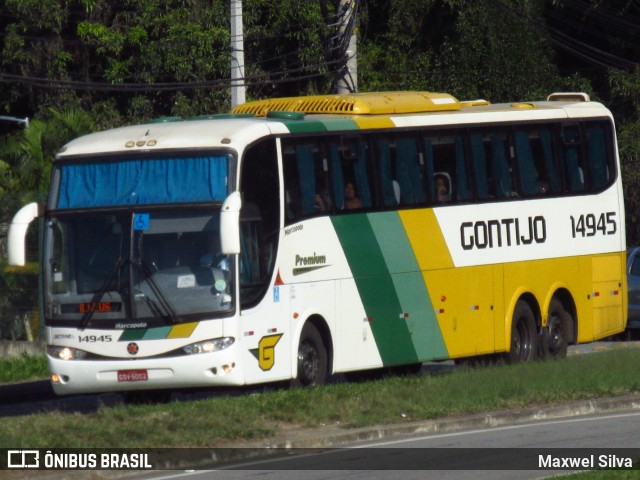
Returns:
(568, 43)
(162, 86)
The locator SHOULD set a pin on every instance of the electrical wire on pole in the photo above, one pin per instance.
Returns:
(348, 80)
(341, 48)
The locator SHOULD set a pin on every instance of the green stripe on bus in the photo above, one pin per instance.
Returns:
(304, 126)
(376, 288)
(159, 333)
(133, 334)
(409, 285)
(340, 124)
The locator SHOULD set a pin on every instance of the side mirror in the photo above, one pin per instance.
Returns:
(230, 224)
(18, 233)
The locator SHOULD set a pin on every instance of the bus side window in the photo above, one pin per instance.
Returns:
(500, 168)
(336, 174)
(599, 162)
(449, 158)
(401, 170)
(446, 160)
(550, 164)
(492, 168)
(292, 200)
(351, 169)
(527, 172)
(479, 161)
(306, 178)
(410, 177)
(463, 193)
(306, 181)
(574, 173)
(387, 177)
(427, 159)
(536, 162)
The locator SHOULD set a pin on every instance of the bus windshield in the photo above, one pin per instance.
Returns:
(136, 268)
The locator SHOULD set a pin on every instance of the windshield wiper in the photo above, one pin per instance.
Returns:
(162, 299)
(86, 317)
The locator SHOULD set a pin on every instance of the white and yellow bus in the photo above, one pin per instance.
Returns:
(300, 237)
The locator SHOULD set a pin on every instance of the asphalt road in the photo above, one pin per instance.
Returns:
(519, 451)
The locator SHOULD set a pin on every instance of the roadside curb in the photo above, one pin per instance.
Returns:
(336, 436)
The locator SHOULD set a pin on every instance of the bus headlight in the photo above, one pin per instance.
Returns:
(66, 353)
(208, 346)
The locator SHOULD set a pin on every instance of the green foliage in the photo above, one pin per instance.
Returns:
(22, 368)
(483, 57)
(26, 157)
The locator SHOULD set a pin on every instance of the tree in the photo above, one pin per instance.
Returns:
(599, 40)
(148, 58)
(26, 157)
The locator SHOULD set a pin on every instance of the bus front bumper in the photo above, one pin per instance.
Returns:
(166, 373)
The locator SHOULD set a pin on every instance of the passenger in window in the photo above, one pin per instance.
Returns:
(322, 200)
(351, 199)
(442, 188)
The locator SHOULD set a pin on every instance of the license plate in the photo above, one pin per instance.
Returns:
(132, 375)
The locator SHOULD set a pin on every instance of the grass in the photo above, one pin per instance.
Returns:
(22, 368)
(605, 475)
(222, 420)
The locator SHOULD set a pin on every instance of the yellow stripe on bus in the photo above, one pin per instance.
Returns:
(183, 331)
(373, 122)
(426, 239)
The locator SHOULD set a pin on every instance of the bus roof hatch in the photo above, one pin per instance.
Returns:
(380, 103)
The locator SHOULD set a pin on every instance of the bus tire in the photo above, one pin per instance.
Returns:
(312, 359)
(554, 340)
(523, 334)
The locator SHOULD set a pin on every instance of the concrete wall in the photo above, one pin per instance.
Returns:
(14, 349)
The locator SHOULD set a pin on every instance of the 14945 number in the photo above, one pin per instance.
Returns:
(590, 225)
(94, 338)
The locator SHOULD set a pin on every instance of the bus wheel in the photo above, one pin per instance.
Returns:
(312, 359)
(523, 334)
(554, 341)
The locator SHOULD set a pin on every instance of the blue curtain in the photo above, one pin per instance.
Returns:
(336, 173)
(428, 154)
(306, 173)
(574, 171)
(461, 171)
(547, 149)
(527, 168)
(501, 175)
(409, 172)
(597, 148)
(360, 172)
(143, 182)
(480, 165)
(385, 171)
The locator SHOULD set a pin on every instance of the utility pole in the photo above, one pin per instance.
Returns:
(238, 95)
(348, 83)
